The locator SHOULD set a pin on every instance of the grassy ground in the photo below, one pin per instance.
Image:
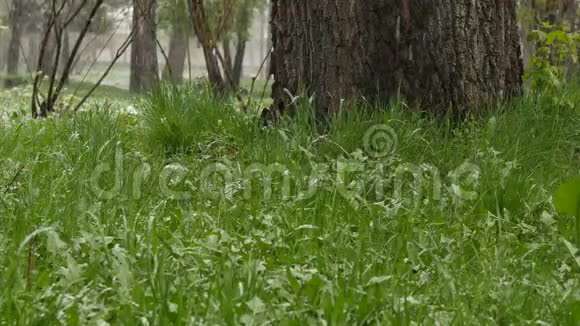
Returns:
(182, 214)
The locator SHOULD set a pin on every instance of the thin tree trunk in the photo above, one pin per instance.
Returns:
(144, 64)
(206, 39)
(267, 71)
(32, 50)
(444, 54)
(47, 64)
(13, 56)
(65, 51)
(4, 44)
(174, 69)
(234, 64)
(227, 48)
(215, 77)
(238, 66)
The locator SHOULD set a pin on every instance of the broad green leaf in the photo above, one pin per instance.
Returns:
(560, 35)
(573, 250)
(256, 305)
(537, 35)
(567, 198)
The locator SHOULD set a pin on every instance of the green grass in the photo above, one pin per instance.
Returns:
(185, 233)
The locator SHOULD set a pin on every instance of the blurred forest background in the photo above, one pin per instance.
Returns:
(247, 37)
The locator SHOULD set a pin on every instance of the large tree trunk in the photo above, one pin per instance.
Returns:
(175, 66)
(463, 53)
(144, 65)
(442, 53)
(13, 56)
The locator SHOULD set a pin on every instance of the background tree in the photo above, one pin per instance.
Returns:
(24, 17)
(218, 22)
(144, 64)
(100, 25)
(175, 18)
(4, 31)
(237, 36)
(209, 19)
(17, 16)
(103, 24)
(60, 16)
(457, 54)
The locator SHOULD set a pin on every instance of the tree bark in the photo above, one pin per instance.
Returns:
(208, 42)
(33, 50)
(47, 59)
(238, 66)
(65, 55)
(4, 43)
(234, 64)
(227, 49)
(457, 54)
(175, 66)
(467, 53)
(144, 64)
(214, 72)
(13, 57)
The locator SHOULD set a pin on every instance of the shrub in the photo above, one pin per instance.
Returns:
(556, 48)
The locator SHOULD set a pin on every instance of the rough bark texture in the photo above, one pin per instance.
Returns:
(144, 65)
(443, 53)
(467, 52)
(175, 66)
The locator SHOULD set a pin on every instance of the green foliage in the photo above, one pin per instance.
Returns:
(15, 102)
(141, 256)
(173, 115)
(556, 47)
